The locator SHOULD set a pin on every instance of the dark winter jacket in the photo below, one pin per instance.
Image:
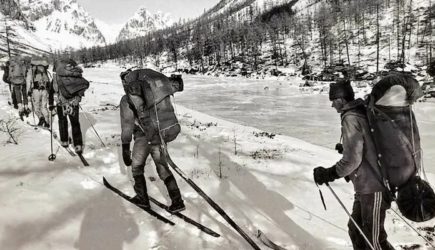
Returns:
(129, 125)
(359, 161)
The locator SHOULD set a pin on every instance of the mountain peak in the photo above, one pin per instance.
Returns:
(144, 22)
(142, 9)
(64, 23)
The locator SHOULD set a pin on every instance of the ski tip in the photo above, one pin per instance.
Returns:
(105, 181)
(212, 233)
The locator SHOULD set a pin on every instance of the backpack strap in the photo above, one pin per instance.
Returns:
(379, 174)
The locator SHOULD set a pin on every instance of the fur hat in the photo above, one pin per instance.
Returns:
(341, 89)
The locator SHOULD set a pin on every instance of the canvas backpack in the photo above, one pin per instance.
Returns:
(397, 140)
(6, 73)
(70, 82)
(149, 94)
(40, 73)
(17, 70)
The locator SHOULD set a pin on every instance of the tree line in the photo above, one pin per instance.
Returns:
(324, 32)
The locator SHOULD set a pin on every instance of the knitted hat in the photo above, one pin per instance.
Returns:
(341, 89)
(124, 74)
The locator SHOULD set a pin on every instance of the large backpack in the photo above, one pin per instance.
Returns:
(149, 94)
(70, 81)
(397, 140)
(395, 131)
(17, 70)
(40, 73)
(6, 73)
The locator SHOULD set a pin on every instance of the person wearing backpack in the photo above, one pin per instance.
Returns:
(18, 70)
(68, 87)
(37, 84)
(6, 80)
(146, 143)
(372, 199)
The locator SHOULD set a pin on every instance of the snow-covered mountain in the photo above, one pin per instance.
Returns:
(109, 31)
(62, 24)
(144, 22)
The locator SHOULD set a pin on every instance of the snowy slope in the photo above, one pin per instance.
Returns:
(110, 32)
(240, 8)
(62, 24)
(267, 185)
(144, 22)
(415, 54)
(22, 39)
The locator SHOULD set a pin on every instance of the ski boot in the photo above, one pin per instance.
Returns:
(177, 206)
(140, 187)
(175, 195)
(78, 149)
(21, 112)
(27, 111)
(41, 121)
(64, 144)
(46, 125)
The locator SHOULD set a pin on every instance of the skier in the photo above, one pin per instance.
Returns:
(6, 80)
(372, 199)
(18, 70)
(143, 147)
(68, 86)
(37, 84)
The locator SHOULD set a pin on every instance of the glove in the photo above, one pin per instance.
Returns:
(339, 148)
(51, 107)
(126, 154)
(324, 175)
(29, 93)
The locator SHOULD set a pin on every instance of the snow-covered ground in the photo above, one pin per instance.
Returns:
(267, 185)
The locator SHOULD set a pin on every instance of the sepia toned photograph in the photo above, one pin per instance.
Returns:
(217, 124)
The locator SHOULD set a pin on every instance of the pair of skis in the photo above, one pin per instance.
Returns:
(260, 235)
(161, 205)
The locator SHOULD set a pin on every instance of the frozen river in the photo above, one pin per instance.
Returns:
(280, 107)
(272, 106)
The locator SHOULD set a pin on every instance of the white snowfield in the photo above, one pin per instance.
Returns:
(266, 185)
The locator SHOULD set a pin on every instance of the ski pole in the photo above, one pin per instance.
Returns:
(52, 156)
(415, 230)
(213, 204)
(90, 123)
(350, 217)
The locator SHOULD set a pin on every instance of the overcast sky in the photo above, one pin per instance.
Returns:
(119, 11)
